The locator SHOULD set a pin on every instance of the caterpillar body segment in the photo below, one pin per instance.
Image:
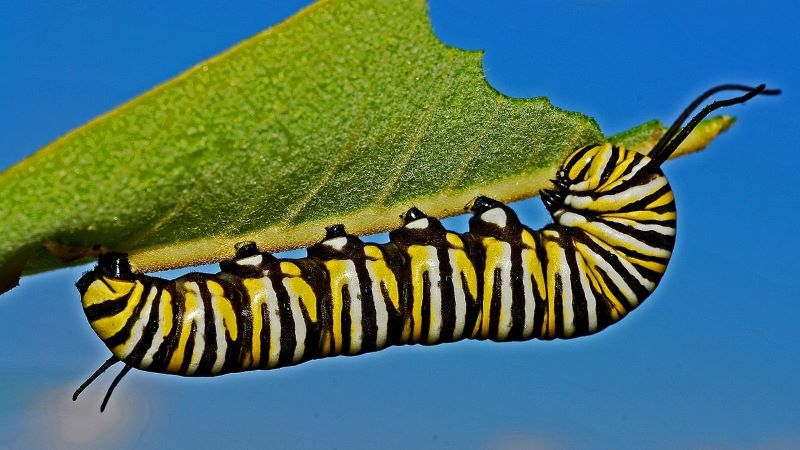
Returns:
(604, 254)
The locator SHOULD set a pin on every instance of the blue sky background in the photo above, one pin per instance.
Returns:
(710, 361)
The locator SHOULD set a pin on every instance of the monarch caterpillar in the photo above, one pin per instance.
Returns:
(610, 243)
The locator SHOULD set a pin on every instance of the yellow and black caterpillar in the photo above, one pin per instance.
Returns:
(612, 237)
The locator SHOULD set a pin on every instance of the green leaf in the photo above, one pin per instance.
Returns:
(349, 112)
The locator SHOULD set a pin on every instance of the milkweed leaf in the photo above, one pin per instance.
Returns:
(349, 112)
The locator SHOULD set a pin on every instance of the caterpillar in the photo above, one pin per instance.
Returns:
(604, 254)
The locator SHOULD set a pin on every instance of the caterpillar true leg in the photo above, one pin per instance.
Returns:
(609, 244)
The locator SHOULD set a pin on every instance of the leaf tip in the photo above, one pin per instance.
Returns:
(706, 132)
(11, 269)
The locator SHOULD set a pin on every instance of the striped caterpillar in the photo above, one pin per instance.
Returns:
(610, 243)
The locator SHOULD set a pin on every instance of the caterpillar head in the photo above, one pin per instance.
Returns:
(619, 200)
(602, 180)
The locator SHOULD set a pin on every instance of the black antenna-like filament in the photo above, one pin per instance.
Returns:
(106, 365)
(670, 141)
(114, 384)
(110, 362)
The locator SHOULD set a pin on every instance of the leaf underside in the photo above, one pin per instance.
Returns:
(349, 112)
